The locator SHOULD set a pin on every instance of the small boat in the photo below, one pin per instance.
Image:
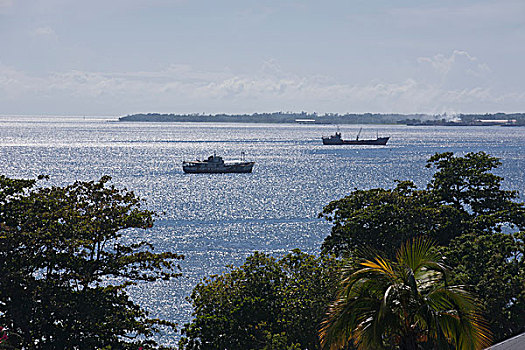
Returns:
(216, 165)
(336, 139)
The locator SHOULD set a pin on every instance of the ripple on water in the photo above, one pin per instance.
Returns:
(217, 220)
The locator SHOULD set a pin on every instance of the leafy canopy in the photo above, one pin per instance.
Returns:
(479, 225)
(494, 266)
(64, 266)
(403, 304)
(462, 197)
(264, 304)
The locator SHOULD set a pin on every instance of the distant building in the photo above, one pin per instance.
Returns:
(496, 121)
(305, 121)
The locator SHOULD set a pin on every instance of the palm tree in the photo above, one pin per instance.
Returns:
(403, 304)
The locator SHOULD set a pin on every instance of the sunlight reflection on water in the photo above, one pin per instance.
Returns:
(218, 219)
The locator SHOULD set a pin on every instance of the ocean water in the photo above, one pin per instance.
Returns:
(218, 219)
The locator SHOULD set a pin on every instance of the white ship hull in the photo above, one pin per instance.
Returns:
(214, 168)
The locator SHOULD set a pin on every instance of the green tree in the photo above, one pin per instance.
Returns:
(462, 197)
(493, 265)
(403, 304)
(264, 304)
(465, 210)
(383, 219)
(65, 266)
(467, 183)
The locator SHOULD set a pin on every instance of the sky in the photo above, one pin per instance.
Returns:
(119, 57)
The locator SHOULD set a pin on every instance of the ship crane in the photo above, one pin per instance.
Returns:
(359, 133)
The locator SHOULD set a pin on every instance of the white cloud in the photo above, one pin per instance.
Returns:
(183, 89)
(457, 71)
(444, 64)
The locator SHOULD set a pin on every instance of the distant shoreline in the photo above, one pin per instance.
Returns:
(515, 119)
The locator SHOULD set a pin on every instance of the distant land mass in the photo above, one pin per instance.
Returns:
(514, 119)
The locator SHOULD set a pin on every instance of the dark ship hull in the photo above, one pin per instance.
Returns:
(336, 139)
(380, 141)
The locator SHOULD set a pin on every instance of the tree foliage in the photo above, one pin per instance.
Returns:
(465, 210)
(403, 304)
(264, 304)
(383, 219)
(462, 197)
(494, 266)
(64, 266)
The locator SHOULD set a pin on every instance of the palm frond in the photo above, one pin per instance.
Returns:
(405, 300)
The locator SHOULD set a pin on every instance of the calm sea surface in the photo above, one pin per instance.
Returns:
(219, 219)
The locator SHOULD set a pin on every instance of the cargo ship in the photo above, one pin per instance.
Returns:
(336, 139)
